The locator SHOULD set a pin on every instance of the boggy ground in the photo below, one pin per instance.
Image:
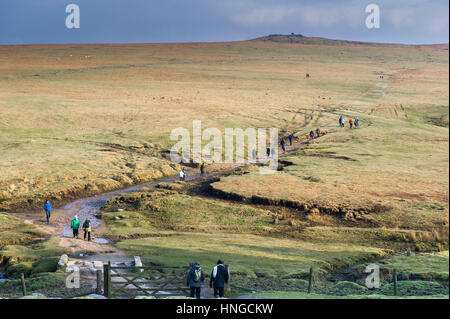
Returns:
(73, 126)
(268, 247)
(158, 224)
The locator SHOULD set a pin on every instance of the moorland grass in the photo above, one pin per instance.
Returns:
(248, 255)
(73, 126)
(41, 256)
(14, 231)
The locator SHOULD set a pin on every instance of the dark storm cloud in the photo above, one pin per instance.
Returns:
(43, 21)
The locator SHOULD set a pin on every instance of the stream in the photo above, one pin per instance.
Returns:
(3, 274)
(87, 208)
(3, 277)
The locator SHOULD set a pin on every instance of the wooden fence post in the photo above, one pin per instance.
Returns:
(98, 291)
(107, 279)
(395, 282)
(310, 280)
(24, 288)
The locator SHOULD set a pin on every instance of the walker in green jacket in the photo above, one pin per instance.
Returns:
(75, 225)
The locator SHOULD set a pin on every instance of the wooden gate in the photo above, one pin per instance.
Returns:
(156, 281)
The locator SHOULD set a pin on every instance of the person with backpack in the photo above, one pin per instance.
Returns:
(75, 225)
(291, 138)
(48, 209)
(318, 132)
(181, 175)
(341, 121)
(350, 122)
(184, 173)
(219, 277)
(283, 145)
(311, 134)
(356, 122)
(87, 227)
(202, 169)
(194, 280)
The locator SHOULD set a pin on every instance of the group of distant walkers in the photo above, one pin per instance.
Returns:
(351, 122)
(75, 224)
(182, 174)
(290, 137)
(219, 277)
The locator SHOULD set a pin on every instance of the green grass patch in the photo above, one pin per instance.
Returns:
(433, 266)
(249, 255)
(415, 288)
(38, 257)
(14, 231)
(304, 295)
(171, 211)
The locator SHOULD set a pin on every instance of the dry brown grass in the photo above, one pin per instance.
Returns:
(71, 123)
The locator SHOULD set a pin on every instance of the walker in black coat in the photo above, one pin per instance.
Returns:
(219, 277)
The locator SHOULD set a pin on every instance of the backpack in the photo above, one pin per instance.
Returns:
(197, 275)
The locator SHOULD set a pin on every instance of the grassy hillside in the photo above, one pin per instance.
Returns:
(389, 173)
(83, 119)
(173, 228)
(170, 228)
(79, 119)
(14, 231)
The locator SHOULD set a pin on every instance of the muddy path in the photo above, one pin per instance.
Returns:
(101, 249)
(88, 208)
(84, 254)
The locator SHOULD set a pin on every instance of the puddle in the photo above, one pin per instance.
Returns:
(101, 240)
(3, 277)
(81, 255)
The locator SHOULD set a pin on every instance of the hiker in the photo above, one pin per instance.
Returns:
(356, 122)
(75, 225)
(181, 175)
(219, 277)
(311, 134)
(202, 169)
(194, 280)
(254, 155)
(291, 137)
(48, 209)
(318, 132)
(283, 145)
(341, 121)
(350, 122)
(87, 227)
(268, 152)
(184, 173)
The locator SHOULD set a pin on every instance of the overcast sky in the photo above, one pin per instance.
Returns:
(108, 21)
